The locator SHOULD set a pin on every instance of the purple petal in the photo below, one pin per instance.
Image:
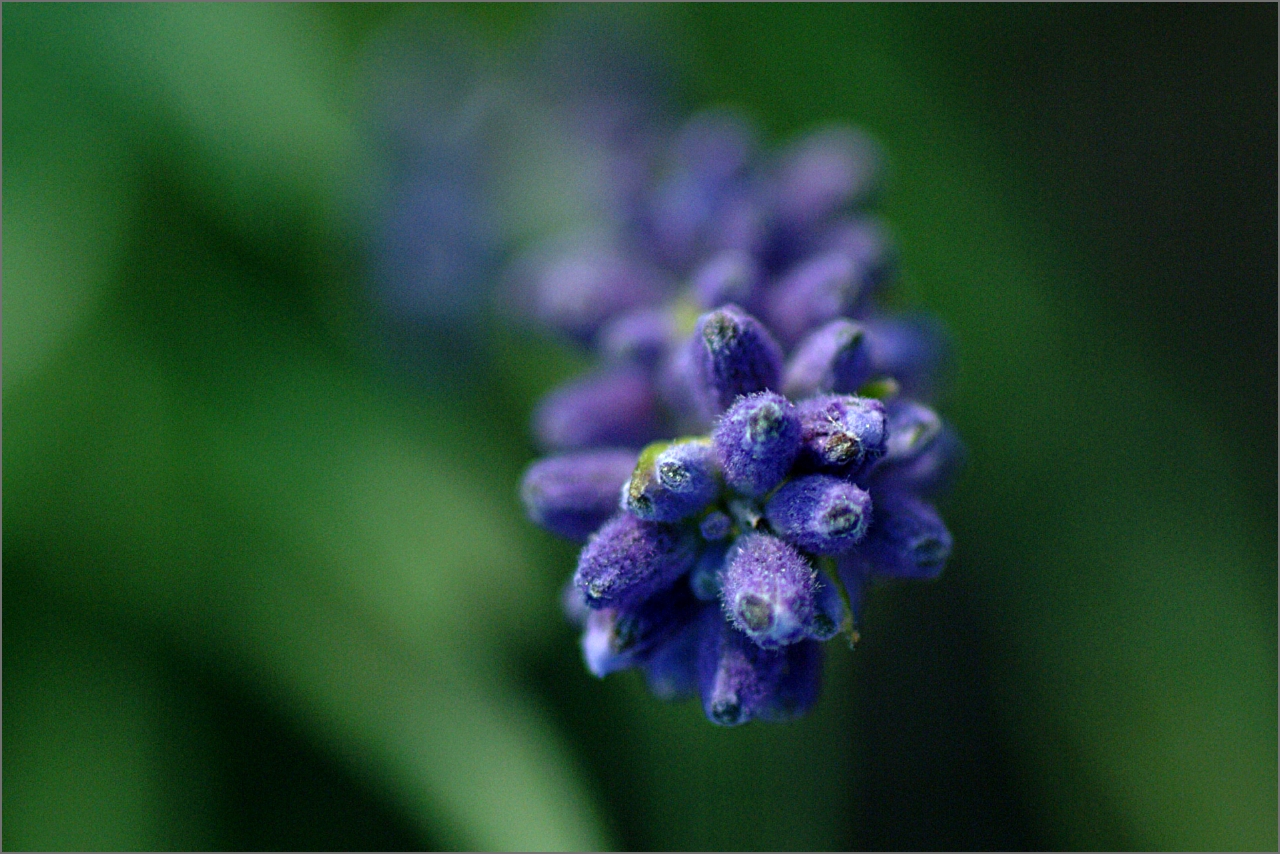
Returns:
(617, 407)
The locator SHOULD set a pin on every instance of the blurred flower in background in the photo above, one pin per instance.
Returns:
(267, 584)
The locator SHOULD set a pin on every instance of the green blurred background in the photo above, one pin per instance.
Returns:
(261, 593)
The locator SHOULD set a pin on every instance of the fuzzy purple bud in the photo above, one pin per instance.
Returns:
(574, 494)
(617, 638)
(672, 481)
(740, 681)
(820, 289)
(628, 560)
(616, 407)
(907, 538)
(734, 356)
(756, 442)
(834, 357)
(820, 513)
(767, 589)
(841, 434)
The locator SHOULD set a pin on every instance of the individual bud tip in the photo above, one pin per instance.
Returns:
(931, 553)
(673, 474)
(842, 516)
(720, 331)
(764, 422)
(755, 613)
(823, 627)
(727, 711)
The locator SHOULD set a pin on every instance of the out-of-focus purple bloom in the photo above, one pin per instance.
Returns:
(907, 539)
(834, 357)
(820, 289)
(804, 455)
(912, 350)
(574, 494)
(617, 407)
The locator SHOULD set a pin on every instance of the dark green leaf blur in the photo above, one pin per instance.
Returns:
(261, 591)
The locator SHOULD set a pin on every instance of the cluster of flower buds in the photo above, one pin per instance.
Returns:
(756, 447)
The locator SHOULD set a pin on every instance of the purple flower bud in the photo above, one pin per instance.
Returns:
(865, 243)
(767, 589)
(616, 407)
(820, 513)
(734, 355)
(825, 172)
(574, 494)
(671, 481)
(912, 427)
(628, 560)
(671, 668)
(929, 471)
(704, 578)
(828, 610)
(577, 291)
(834, 357)
(906, 539)
(714, 145)
(709, 159)
(740, 681)
(731, 276)
(798, 685)
(617, 638)
(912, 350)
(716, 526)
(820, 289)
(642, 336)
(840, 434)
(756, 442)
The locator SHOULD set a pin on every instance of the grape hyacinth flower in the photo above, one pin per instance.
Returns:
(757, 446)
